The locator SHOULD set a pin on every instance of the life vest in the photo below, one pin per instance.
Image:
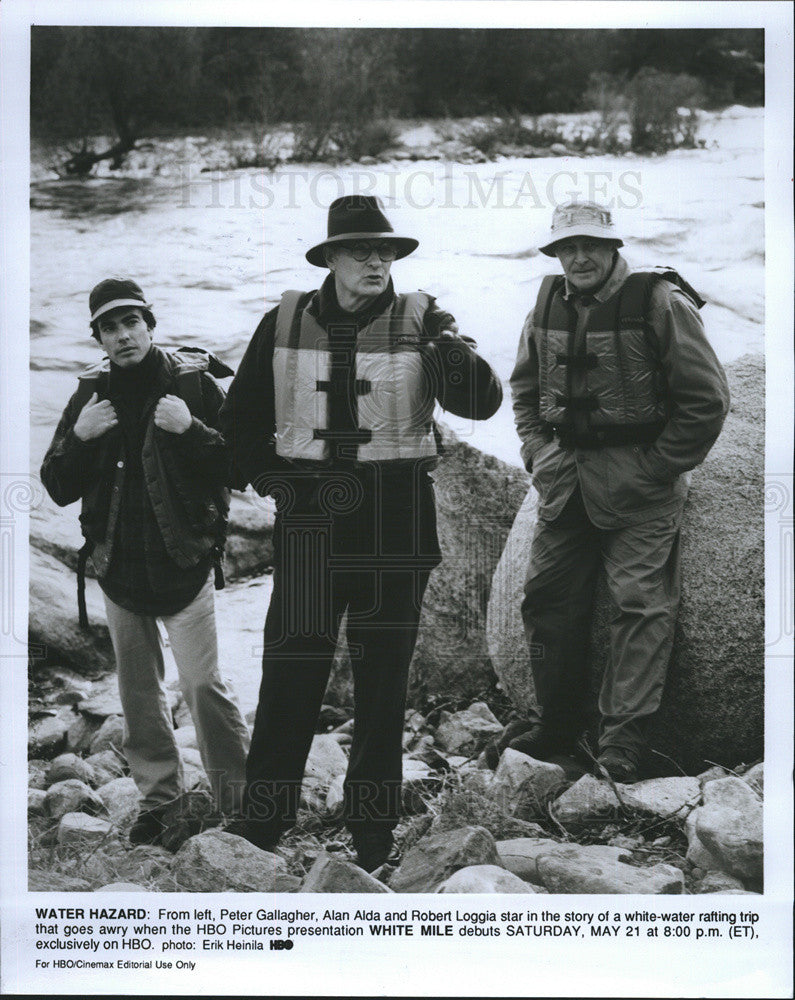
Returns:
(395, 395)
(612, 381)
(185, 542)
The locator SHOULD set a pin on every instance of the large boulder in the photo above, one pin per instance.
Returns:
(477, 497)
(53, 631)
(712, 707)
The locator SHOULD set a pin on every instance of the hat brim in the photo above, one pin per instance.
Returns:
(405, 245)
(596, 232)
(117, 304)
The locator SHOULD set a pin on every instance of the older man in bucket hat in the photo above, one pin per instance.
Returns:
(331, 413)
(150, 470)
(617, 395)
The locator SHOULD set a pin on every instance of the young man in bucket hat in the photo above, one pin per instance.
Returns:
(151, 473)
(617, 395)
(331, 413)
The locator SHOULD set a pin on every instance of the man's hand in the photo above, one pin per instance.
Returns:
(172, 414)
(95, 419)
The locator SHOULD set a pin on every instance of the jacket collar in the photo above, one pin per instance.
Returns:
(327, 309)
(615, 280)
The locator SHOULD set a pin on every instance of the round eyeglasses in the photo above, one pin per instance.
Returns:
(361, 251)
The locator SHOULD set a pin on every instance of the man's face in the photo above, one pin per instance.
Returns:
(359, 280)
(124, 335)
(586, 261)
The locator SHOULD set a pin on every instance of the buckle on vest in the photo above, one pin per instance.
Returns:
(585, 403)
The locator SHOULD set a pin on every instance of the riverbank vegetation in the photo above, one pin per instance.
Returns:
(338, 91)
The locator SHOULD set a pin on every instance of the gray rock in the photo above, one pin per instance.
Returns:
(107, 765)
(71, 683)
(467, 731)
(104, 698)
(71, 796)
(713, 702)
(334, 796)
(755, 777)
(37, 773)
(121, 887)
(78, 828)
(520, 855)
(50, 881)
(570, 870)
(718, 882)
(558, 149)
(69, 765)
(437, 856)
(522, 786)
(697, 853)
(587, 799)
(109, 736)
(730, 826)
(121, 799)
(222, 862)
(326, 760)
(37, 802)
(712, 774)
(47, 735)
(81, 732)
(52, 618)
(663, 797)
(484, 878)
(331, 874)
(186, 737)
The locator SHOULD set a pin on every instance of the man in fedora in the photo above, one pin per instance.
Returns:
(617, 395)
(331, 413)
(151, 472)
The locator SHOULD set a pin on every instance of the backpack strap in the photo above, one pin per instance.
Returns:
(191, 363)
(550, 285)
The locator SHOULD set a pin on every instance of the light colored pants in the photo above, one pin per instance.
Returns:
(149, 744)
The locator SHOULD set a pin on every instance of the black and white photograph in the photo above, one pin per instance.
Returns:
(397, 499)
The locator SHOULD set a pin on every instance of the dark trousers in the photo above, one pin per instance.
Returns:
(316, 580)
(641, 564)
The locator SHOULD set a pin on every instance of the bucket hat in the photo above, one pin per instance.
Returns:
(580, 218)
(358, 217)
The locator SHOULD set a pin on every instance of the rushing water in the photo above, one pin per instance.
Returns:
(212, 251)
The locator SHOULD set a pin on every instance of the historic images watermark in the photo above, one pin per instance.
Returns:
(445, 185)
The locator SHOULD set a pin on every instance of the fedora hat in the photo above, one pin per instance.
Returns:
(358, 217)
(580, 218)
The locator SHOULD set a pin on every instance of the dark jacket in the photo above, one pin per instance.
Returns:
(178, 492)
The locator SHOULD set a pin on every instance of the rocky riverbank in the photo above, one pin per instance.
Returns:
(528, 827)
